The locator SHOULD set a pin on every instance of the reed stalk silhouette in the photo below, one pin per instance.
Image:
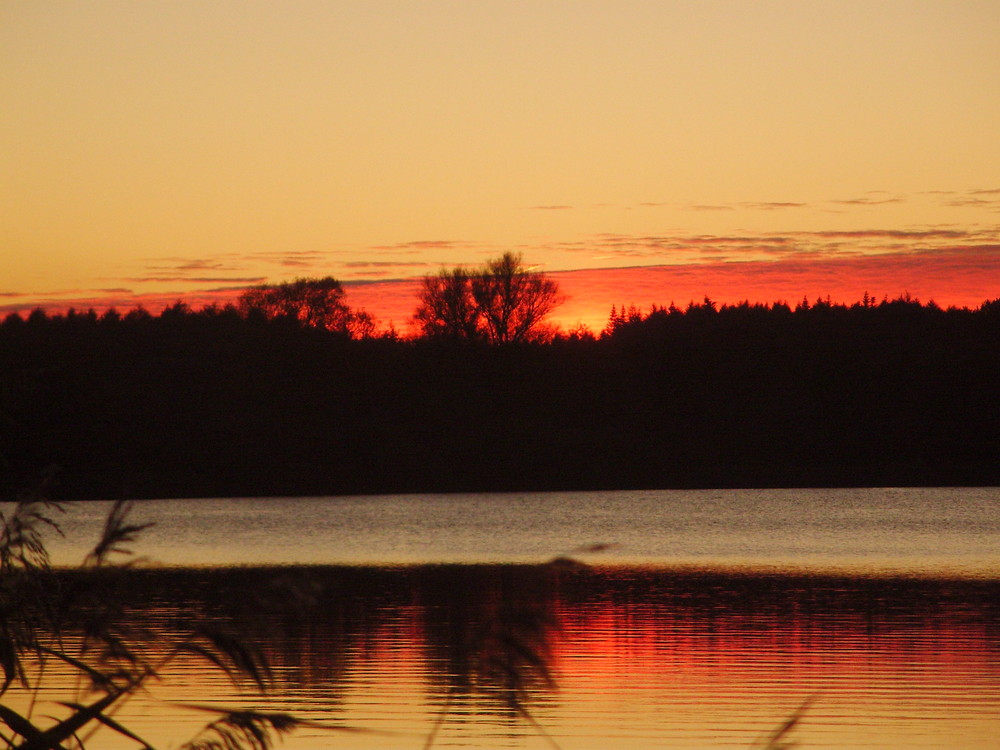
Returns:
(778, 738)
(511, 660)
(78, 622)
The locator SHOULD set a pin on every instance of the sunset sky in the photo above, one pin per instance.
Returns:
(643, 152)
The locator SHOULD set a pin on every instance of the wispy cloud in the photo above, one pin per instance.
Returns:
(711, 207)
(203, 265)
(197, 279)
(870, 199)
(217, 268)
(379, 273)
(384, 264)
(767, 246)
(57, 293)
(971, 201)
(287, 258)
(775, 205)
(181, 265)
(895, 233)
(557, 207)
(867, 201)
(422, 245)
(220, 289)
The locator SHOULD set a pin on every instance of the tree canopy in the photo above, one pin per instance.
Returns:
(317, 303)
(502, 302)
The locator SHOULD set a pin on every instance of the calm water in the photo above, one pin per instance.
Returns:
(922, 531)
(709, 620)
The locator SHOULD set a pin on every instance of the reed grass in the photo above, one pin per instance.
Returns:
(778, 738)
(80, 623)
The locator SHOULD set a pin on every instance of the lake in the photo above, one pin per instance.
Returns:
(700, 620)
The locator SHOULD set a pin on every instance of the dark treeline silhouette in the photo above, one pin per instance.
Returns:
(218, 403)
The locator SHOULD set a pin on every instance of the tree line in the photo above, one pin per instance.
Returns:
(500, 302)
(258, 398)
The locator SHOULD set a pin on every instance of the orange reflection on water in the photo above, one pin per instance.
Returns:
(639, 658)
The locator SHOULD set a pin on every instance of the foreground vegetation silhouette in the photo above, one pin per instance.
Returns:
(50, 622)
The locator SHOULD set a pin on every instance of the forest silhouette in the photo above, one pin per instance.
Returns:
(212, 402)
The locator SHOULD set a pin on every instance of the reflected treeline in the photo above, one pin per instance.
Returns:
(489, 639)
(483, 631)
(211, 403)
(800, 609)
(488, 631)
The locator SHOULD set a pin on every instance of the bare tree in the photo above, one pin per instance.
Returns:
(447, 308)
(512, 300)
(503, 302)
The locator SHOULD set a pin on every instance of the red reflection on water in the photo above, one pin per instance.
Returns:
(913, 664)
(639, 657)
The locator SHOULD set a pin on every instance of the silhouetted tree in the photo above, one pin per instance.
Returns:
(138, 314)
(316, 303)
(512, 300)
(363, 325)
(447, 308)
(502, 302)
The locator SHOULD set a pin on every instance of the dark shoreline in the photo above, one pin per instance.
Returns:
(213, 405)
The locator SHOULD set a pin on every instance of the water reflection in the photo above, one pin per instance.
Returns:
(472, 656)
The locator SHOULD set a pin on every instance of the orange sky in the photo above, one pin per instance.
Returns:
(151, 151)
